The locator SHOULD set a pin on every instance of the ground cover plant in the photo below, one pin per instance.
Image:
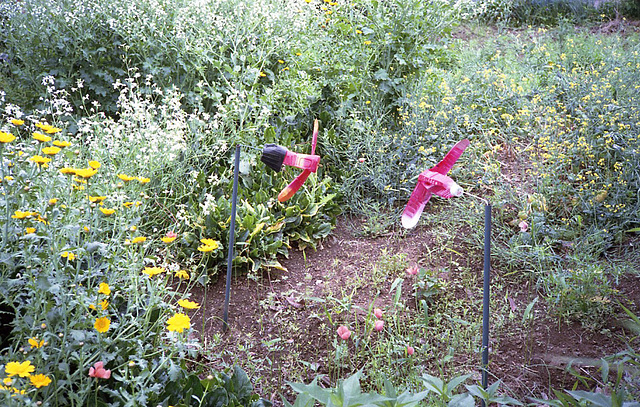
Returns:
(118, 121)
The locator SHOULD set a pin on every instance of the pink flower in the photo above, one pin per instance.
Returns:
(378, 325)
(361, 159)
(410, 350)
(378, 313)
(524, 226)
(172, 234)
(99, 371)
(344, 332)
(413, 270)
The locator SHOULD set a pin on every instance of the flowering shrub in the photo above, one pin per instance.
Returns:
(87, 324)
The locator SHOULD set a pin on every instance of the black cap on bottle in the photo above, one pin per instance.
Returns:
(273, 156)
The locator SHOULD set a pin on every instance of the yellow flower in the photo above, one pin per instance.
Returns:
(127, 204)
(125, 177)
(35, 343)
(23, 369)
(40, 380)
(47, 128)
(17, 122)
(96, 198)
(68, 255)
(152, 271)
(92, 307)
(167, 239)
(104, 289)
(188, 304)
(94, 164)
(59, 143)
(53, 130)
(107, 211)
(182, 274)
(367, 42)
(7, 381)
(6, 137)
(21, 215)
(178, 323)
(102, 324)
(143, 180)
(41, 137)
(104, 304)
(139, 239)
(53, 201)
(51, 150)
(208, 245)
(39, 159)
(86, 172)
(67, 171)
(262, 74)
(210, 242)
(30, 230)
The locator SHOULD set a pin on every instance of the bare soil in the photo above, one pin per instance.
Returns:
(277, 331)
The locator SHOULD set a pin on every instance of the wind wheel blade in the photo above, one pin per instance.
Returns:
(414, 208)
(444, 166)
(294, 186)
(314, 139)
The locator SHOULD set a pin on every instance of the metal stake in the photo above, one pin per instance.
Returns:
(232, 229)
(485, 299)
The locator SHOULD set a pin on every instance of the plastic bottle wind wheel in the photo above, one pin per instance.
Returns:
(275, 156)
(433, 181)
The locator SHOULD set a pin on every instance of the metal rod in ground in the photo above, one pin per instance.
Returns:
(232, 239)
(485, 297)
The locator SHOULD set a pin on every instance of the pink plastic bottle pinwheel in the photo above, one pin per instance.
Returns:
(274, 156)
(433, 181)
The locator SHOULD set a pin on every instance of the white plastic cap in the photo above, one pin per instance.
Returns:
(456, 190)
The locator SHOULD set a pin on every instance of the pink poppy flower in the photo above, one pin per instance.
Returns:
(413, 270)
(99, 371)
(410, 350)
(344, 332)
(524, 226)
(378, 325)
(378, 313)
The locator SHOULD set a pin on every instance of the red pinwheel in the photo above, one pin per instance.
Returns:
(274, 156)
(433, 181)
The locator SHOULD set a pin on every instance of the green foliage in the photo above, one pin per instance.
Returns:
(490, 395)
(427, 286)
(548, 12)
(445, 390)
(349, 393)
(583, 294)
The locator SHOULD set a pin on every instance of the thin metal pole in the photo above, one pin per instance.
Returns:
(232, 232)
(485, 299)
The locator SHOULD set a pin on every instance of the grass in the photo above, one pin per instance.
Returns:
(553, 120)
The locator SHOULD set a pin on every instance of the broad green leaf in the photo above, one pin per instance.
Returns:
(462, 400)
